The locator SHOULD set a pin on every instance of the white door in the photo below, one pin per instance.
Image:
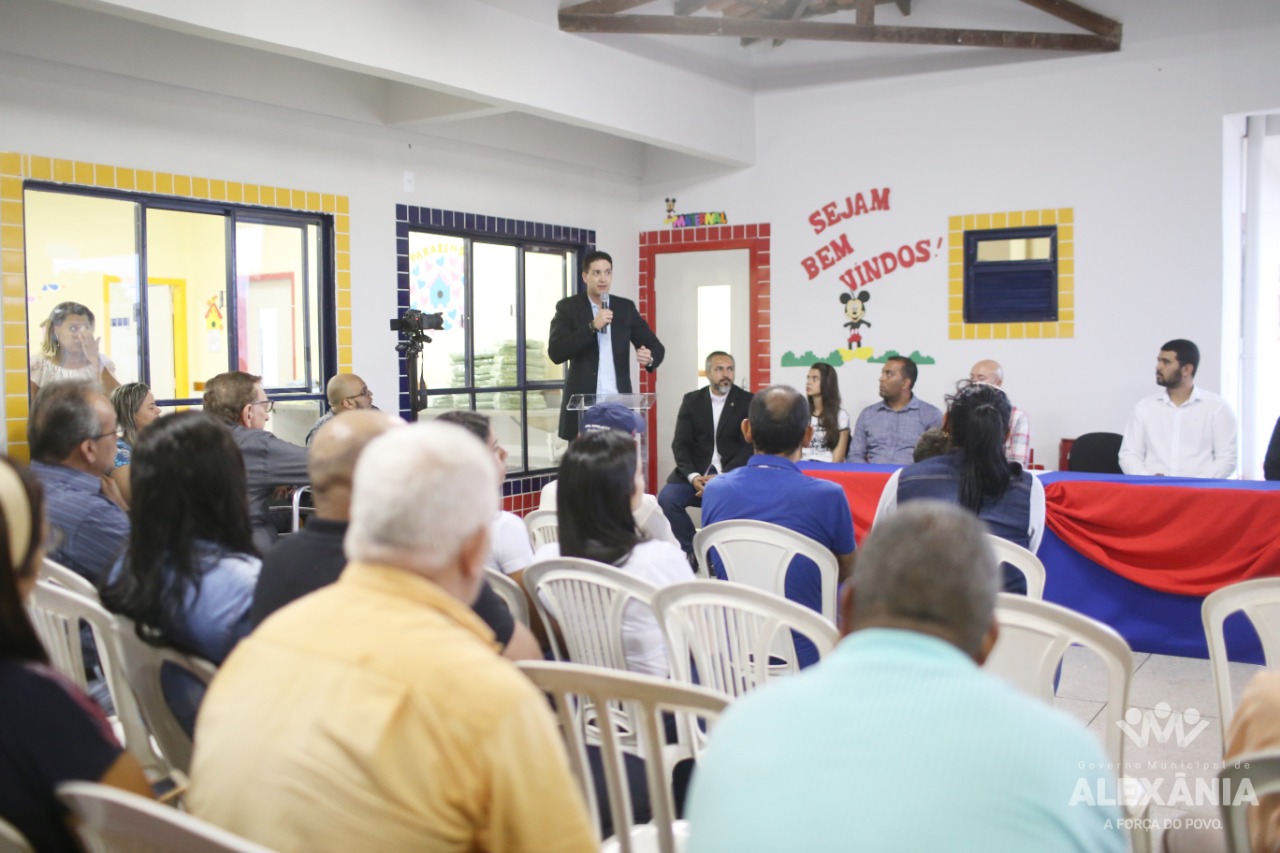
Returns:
(703, 301)
(164, 384)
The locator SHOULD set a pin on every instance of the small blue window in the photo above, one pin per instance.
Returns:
(1011, 275)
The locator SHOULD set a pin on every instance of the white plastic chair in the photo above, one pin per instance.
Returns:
(56, 613)
(11, 840)
(586, 599)
(109, 820)
(543, 526)
(645, 700)
(1260, 601)
(1034, 635)
(758, 554)
(1022, 560)
(1262, 769)
(510, 592)
(63, 576)
(734, 637)
(142, 665)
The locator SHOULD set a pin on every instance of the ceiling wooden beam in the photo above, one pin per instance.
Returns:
(1085, 19)
(794, 13)
(819, 31)
(604, 7)
(866, 13)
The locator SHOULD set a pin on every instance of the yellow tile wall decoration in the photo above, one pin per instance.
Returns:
(16, 168)
(957, 329)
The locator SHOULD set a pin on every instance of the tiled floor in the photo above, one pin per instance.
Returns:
(1183, 684)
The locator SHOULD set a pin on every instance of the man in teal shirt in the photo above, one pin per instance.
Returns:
(898, 740)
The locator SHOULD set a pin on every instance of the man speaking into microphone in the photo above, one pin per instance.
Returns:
(593, 331)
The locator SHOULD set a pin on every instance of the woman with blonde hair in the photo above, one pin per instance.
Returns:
(135, 408)
(69, 350)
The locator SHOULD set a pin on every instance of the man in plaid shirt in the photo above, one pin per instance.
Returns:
(1017, 447)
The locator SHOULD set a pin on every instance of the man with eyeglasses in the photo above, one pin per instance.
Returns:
(236, 398)
(72, 434)
(346, 392)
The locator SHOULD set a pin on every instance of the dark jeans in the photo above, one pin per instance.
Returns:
(675, 500)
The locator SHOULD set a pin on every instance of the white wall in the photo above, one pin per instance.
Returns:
(1132, 141)
(55, 110)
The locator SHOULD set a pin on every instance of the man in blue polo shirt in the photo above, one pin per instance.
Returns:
(771, 488)
(898, 740)
(72, 433)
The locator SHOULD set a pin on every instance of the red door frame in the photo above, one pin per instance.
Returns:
(755, 239)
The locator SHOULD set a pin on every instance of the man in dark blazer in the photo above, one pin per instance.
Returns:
(708, 441)
(593, 321)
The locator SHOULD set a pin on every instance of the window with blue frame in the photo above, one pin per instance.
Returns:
(1011, 275)
(496, 289)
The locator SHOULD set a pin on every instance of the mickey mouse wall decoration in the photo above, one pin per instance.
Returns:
(855, 309)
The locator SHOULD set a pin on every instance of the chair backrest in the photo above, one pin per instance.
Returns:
(1022, 560)
(1259, 600)
(645, 699)
(758, 554)
(586, 599)
(1034, 635)
(510, 592)
(68, 578)
(1262, 769)
(57, 612)
(543, 526)
(11, 840)
(732, 638)
(109, 820)
(295, 522)
(1096, 452)
(143, 663)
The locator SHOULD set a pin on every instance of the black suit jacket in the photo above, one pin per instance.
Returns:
(693, 443)
(573, 340)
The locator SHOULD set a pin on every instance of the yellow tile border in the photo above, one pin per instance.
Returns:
(1064, 217)
(16, 168)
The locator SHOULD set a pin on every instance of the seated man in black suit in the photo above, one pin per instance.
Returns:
(592, 323)
(708, 441)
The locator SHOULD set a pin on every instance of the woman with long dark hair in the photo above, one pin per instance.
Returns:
(600, 486)
(50, 732)
(975, 474)
(187, 577)
(830, 423)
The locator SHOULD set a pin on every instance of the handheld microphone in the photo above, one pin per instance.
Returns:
(604, 306)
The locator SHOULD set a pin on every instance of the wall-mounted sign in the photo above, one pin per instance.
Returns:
(693, 220)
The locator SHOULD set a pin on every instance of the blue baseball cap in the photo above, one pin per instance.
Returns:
(611, 416)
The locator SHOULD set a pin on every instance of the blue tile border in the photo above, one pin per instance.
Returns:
(475, 225)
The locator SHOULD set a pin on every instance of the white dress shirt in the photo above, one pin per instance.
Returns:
(1196, 439)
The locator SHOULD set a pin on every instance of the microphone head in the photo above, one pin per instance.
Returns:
(604, 301)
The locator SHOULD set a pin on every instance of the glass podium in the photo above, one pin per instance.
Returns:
(638, 403)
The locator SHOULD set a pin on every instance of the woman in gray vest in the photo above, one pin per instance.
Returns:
(974, 474)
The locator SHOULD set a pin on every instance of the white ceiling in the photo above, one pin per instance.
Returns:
(499, 73)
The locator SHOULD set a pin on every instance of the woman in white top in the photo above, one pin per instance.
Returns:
(830, 423)
(600, 487)
(70, 351)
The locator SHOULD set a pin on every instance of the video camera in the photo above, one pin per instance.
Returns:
(414, 325)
